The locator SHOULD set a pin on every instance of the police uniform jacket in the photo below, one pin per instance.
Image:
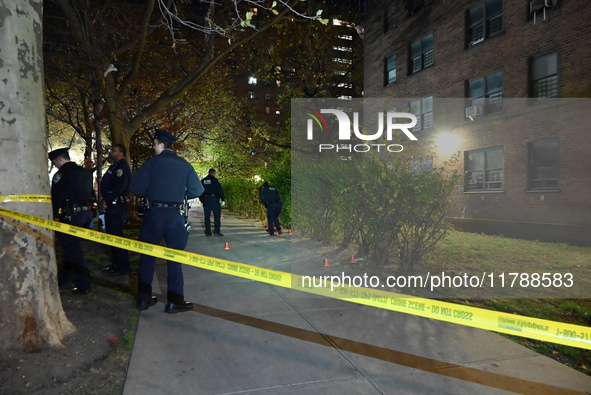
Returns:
(269, 195)
(212, 187)
(73, 184)
(166, 178)
(115, 181)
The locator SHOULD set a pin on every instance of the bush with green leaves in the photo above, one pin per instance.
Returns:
(242, 194)
(392, 207)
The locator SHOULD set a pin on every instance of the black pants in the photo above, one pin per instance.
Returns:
(212, 205)
(115, 219)
(273, 212)
(167, 224)
(74, 262)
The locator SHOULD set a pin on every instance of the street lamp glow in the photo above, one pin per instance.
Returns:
(447, 143)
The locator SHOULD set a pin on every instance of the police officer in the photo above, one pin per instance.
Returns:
(115, 201)
(72, 197)
(165, 180)
(211, 203)
(272, 201)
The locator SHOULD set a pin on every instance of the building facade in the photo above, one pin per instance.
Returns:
(508, 82)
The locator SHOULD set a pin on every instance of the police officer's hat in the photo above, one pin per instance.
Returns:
(58, 152)
(164, 136)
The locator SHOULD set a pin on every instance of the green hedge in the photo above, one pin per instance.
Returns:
(242, 197)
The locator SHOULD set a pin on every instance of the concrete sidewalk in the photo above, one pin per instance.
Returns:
(248, 337)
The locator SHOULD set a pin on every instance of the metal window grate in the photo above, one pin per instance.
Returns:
(547, 87)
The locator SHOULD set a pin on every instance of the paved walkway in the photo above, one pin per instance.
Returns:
(246, 337)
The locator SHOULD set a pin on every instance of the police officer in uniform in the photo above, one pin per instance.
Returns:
(270, 199)
(72, 197)
(165, 180)
(115, 201)
(211, 203)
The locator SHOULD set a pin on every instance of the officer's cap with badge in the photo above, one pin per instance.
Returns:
(164, 136)
(58, 152)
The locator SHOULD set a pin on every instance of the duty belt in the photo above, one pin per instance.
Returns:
(165, 205)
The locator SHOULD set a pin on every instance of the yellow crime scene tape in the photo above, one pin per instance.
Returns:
(517, 325)
(25, 198)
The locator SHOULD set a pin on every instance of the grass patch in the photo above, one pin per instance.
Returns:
(471, 253)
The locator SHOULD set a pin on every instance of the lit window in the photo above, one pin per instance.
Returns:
(252, 81)
(277, 111)
(484, 170)
(268, 110)
(343, 61)
(252, 95)
(341, 48)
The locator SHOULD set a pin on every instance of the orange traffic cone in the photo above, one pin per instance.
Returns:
(352, 259)
(290, 232)
(326, 262)
(227, 246)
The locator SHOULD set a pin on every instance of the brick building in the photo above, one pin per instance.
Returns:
(508, 81)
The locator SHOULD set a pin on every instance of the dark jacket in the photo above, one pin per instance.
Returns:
(115, 181)
(212, 188)
(166, 178)
(73, 184)
(269, 195)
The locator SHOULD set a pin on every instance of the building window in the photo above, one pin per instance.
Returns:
(415, 5)
(277, 111)
(252, 95)
(544, 72)
(268, 110)
(390, 65)
(543, 165)
(267, 96)
(421, 54)
(423, 110)
(484, 170)
(484, 21)
(421, 165)
(487, 92)
(389, 16)
(252, 81)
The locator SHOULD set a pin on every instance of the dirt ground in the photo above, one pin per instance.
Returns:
(96, 356)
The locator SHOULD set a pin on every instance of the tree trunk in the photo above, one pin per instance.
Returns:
(31, 314)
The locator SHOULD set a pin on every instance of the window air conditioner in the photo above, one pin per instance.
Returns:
(473, 111)
(540, 5)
